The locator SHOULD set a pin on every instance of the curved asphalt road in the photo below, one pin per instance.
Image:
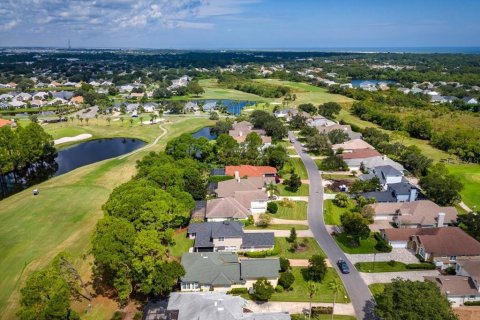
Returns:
(358, 291)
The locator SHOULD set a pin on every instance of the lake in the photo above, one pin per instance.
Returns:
(356, 82)
(67, 160)
(205, 133)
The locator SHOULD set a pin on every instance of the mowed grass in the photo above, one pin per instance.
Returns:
(469, 175)
(307, 93)
(303, 191)
(366, 245)
(214, 91)
(299, 291)
(293, 210)
(278, 227)
(376, 289)
(297, 165)
(182, 244)
(63, 216)
(311, 247)
(333, 213)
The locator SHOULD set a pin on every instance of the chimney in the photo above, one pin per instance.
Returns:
(440, 219)
(237, 176)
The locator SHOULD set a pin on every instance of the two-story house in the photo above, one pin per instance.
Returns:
(228, 236)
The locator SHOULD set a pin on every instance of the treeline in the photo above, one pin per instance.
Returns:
(260, 89)
(131, 244)
(24, 146)
(463, 142)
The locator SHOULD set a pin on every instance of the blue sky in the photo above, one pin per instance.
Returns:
(216, 24)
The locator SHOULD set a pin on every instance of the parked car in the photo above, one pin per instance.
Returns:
(342, 265)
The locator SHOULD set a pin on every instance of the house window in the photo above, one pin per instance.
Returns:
(221, 239)
(453, 258)
(422, 253)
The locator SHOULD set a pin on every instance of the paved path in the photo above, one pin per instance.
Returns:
(297, 307)
(147, 146)
(401, 255)
(358, 291)
(293, 198)
(386, 277)
(284, 221)
(304, 262)
(329, 196)
(284, 233)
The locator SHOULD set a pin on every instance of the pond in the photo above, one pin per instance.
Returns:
(67, 160)
(356, 82)
(205, 133)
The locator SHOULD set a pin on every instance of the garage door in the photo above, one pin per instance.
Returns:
(398, 244)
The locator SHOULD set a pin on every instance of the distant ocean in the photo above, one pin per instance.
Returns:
(466, 50)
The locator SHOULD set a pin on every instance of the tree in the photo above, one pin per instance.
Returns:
(298, 122)
(442, 187)
(194, 88)
(313, 288)
(308, 131)
(227, 149)
(264, 220)
(341, 200)
(470, 222)
(284, 264)
(411, 300)
(46, 296)
(419, 127)
(355, 226)
(253, 144)
(213, 116)
(221, 127)
(329, 109)
(272, 190)
(333, 163)
(318, 144)
(368, 213)
(317, 268)
(308, 108)
(272, 207)
(262, 290)
(286, 279)
(293, 235)
(338, 136)
(335, 286)
(293, 183)
(131, 121)
(108, 120)
(275, 156)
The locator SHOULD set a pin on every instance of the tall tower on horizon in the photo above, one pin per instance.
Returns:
(69, 46)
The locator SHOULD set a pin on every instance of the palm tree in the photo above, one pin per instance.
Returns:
(121, 119)
(313, 290)
(335, 287)
(131, 121)
(71, 119)
(86, 120)
(141, 121)
(108, 120)
(78, 117)
(81, 120)
(96, 117)
(272, 189)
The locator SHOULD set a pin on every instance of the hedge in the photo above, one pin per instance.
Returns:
(321, 310)
(472, 303)
(238, 291)
(262, 254)
(421, 266)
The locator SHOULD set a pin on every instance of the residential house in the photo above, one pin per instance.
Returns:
(240, 131)
(386, 175)
(5, 122)
(319, 121)
(136, 95)
(41, 95)
(370, 160)
(250, 171)
(208, 306)
(415, 214)
(191, 106)
(404, 90)
(441, 246)
(150, 107)
(354, 144)
(458, 289)
(229, 187)
(470, 100)
(77, 100)
(65, 95)
(228, 236)
(209, 106)
(239, 206)
(23, 96)
(368, 86)
(438, 99)
(16, 104)
(215, 271)
(6, 97)
(345, 128)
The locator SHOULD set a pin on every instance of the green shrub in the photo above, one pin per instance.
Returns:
(392, 263)
(286, 279)
(272, 207)
(284, 264)
(382, 245)
(138, 315)
(321, 310)
(420, 258)
(118, 315)
(238, 291)
(262, 254)
(279, 289)
(421, 266)
(451, 271)
(472, 303)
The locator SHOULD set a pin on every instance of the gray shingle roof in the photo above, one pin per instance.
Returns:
(204, 232)
(264, 239)
(402, 188)
(259, 268)
(380, 196)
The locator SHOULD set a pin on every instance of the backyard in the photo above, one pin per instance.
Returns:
(333, 212)
(303, 191)
(182, 244)
(366, 245)
(291, 210)
(310, 248)
(295, 164)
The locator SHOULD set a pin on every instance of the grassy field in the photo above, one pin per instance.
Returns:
(182, 244)
(299, 290)
(307, 93)
(303, 191)
(62, 217)
(306, 252)
(213, 91)
(278, 227)
(469, 174)
(377, 288)
(332, 213)
(295, 164)
(366, 245)
(297, 210)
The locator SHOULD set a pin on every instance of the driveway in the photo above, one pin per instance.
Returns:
(386, 277)
(358, 291)
(297, 307)
(304, 262)
(293, 198)
(401, 255)
(284, 233)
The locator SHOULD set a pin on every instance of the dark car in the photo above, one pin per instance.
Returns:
(342, 265)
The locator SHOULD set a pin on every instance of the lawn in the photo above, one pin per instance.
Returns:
(346, 176)
(381, 266)
(303, 191)
(63, 216)
(469, 175)
(332, 213)
(214, 91)
(182, 244)
(366, 246)
(299, 290)
(297, 165)
(307, 93)
(278, 227)
(322, 317)
(302, 253)
(291, 210)
(376, 288)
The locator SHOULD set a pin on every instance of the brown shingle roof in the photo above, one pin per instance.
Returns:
(228, 208)
(360, 154)
(228, 188)
(454, 285)
(354, 144)
(471, 266)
